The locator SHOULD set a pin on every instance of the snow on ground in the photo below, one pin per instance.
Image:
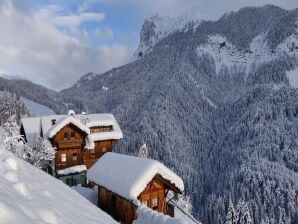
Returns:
(88, 193)
(72, 169)
(28, 195)
(148, 216)
(128, 176)
(186, 218)
(229, 55)
(293, 78)
(36, 109)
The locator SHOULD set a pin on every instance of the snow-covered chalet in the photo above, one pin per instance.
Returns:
(125, 182)
(78, 139)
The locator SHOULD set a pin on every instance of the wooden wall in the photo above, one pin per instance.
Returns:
(118, 207)
(71, 146)
(100, 148)
(125, 211)
(155, 190)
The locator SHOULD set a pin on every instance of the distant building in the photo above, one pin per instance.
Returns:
(79, 140)
(124, 182)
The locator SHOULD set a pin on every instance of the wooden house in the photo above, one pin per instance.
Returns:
(79, 141)
(124, 182)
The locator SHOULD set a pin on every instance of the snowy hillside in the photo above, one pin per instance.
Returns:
(36, 109)
(28, 195)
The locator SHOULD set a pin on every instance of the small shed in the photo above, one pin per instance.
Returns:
(124, 182)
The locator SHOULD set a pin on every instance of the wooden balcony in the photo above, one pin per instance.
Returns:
(70, 144)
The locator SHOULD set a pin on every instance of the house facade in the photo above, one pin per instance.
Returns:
(79, 141)
(125, 182)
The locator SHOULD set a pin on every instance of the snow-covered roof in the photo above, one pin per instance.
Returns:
(65, 121)
(34, 125)
(128, 176)
(29, 195)
(72, 169)
(32, 128)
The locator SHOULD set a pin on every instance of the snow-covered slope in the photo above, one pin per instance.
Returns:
(28, 195)
(36, 109)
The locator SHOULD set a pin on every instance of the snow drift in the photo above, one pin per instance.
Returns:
(28, 195)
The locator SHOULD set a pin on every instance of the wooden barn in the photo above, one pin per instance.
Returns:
(79, 141)
(124, 182)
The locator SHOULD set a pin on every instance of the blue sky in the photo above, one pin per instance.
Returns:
(55, 42)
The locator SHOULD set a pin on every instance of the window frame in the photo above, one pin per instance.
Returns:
(75, 156)
(72, 135)
(63, 157)
(154, 203)
(66, 136)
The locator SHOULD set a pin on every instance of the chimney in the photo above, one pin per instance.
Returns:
(71, 112)
(53, 121)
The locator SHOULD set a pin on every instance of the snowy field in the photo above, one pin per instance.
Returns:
(36, 109)
(29, 196)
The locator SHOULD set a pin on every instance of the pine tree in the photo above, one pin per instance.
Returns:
(244, 216)
(231, 215)
(143, 151)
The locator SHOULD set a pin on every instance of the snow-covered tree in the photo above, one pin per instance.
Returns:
(232, 217)
(243, 213)
(40, 154)
(184, 203)
(12, 140)
(143, 151)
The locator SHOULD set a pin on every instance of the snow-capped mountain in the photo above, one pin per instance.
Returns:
(156, 28)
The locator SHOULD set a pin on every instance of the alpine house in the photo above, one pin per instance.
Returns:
(78, 139)
(125, 182)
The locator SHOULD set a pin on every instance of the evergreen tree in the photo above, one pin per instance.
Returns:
(231, 215)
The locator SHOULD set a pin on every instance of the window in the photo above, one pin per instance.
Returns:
(145, 203)
(63, 157)
(104, 149)
(72, 135)
(66, 136)
(154, 203)
(92, 152)
(74, 156)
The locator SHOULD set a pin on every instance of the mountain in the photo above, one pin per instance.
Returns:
(156, 28)
(11, 77)
(34, 92)
(214, 101)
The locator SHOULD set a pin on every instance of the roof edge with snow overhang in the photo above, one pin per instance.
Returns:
(128, 176)
(65, 121)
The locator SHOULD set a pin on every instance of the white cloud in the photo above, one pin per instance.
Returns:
(62, 17)
(35, 47)
(86, 5)
(103, 34)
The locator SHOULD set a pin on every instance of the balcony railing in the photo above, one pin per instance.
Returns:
(70, 144)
